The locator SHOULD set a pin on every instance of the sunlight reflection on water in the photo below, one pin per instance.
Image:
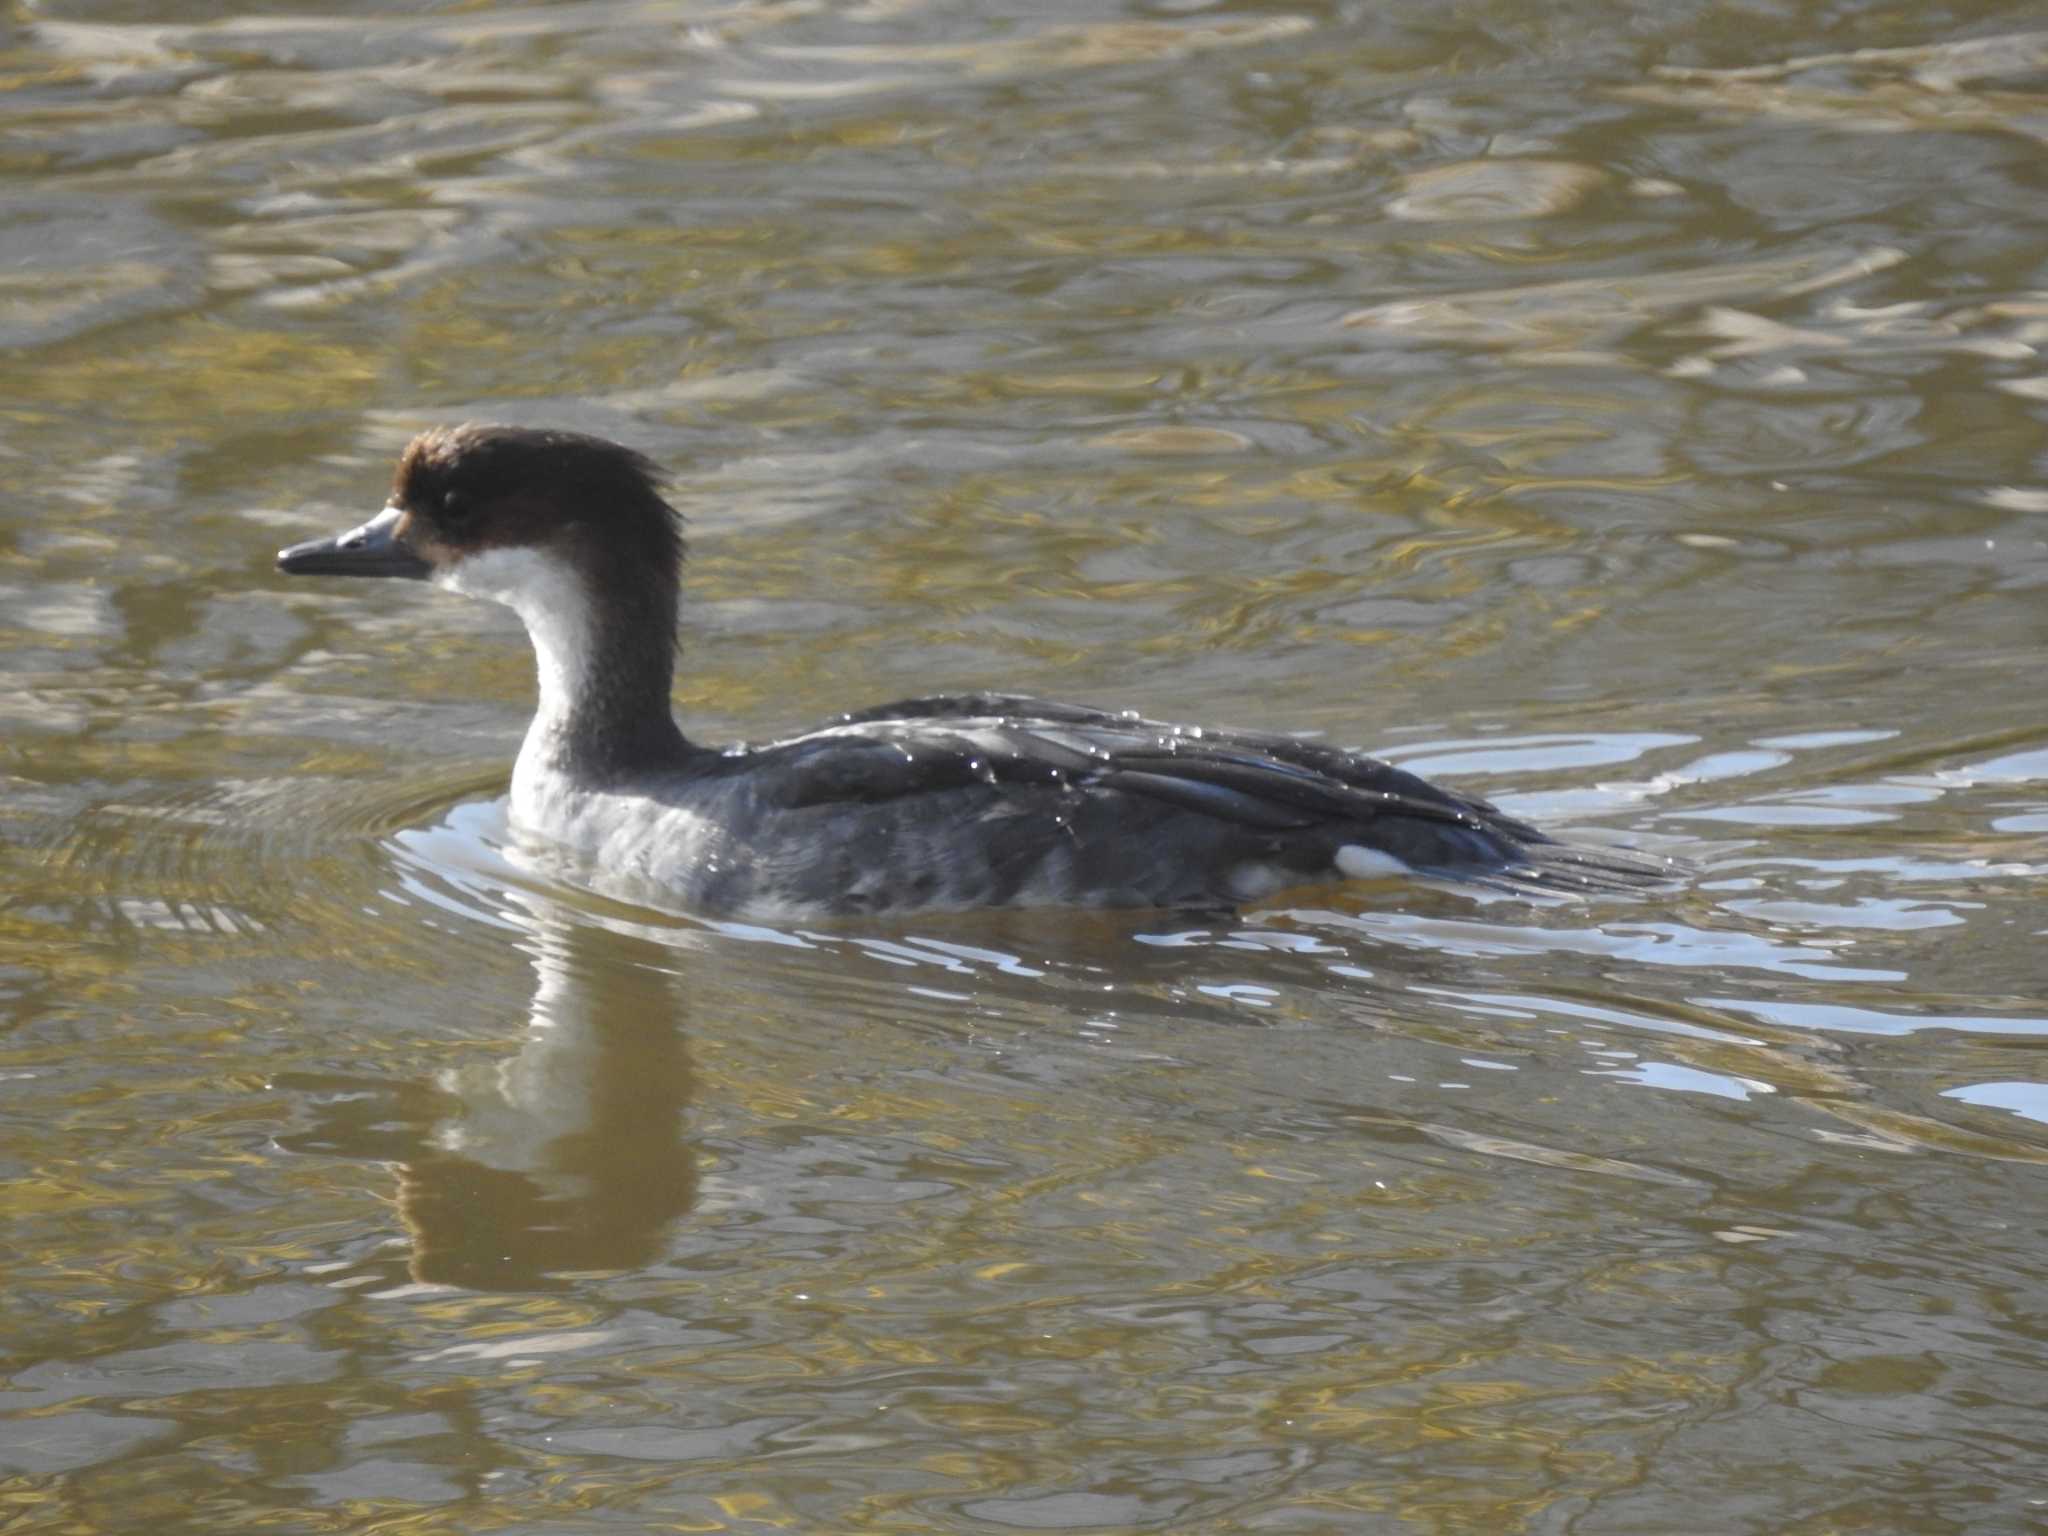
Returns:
(1637, 423)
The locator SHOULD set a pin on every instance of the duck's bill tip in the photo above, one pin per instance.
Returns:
(374, 549)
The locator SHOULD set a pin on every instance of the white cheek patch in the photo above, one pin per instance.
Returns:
(516, 577)
(1357, 862)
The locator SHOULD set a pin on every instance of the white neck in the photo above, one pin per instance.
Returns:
(556, 608)
(605, 655)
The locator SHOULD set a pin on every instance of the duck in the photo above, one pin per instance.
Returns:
(954, 802)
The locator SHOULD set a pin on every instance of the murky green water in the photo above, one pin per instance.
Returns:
(1636, 415)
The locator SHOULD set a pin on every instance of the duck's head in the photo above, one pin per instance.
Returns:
(508, 513)
(571, 533)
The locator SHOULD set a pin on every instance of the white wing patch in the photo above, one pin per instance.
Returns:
(1357, 862)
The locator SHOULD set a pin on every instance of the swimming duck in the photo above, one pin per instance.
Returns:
(952, 802)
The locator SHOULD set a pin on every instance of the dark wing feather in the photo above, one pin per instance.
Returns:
(1294, 800)
(841, 769)
(1254, 779)
(1210, 799)
(1367, 788)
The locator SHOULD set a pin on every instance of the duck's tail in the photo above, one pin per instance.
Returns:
(1584, 869)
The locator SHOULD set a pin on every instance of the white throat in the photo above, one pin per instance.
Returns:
(556, 608)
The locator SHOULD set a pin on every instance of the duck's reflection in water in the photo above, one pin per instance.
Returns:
(566, 1157)
(569, 1155)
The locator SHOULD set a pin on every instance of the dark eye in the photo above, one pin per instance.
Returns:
(457, 510)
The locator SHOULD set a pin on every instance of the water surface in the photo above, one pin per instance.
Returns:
(1634, 415)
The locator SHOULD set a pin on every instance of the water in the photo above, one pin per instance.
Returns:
(1635, 416)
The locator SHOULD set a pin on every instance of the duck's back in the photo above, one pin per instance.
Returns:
(994, 800)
